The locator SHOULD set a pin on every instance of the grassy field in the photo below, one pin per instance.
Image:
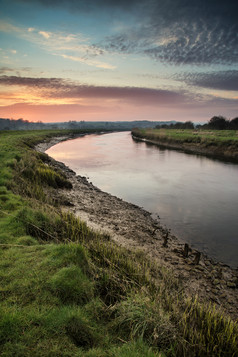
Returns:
(191, 136)
(68, 291)
(219, 143)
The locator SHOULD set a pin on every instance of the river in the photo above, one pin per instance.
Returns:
(196, 197)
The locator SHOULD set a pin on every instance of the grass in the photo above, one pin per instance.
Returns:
(68, 291)
(220, 143)
(190, 135)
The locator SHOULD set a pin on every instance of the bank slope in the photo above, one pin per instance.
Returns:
(221, 144)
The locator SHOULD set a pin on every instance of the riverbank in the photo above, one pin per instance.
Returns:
(68, 290)
(219, 144)
(133, 228)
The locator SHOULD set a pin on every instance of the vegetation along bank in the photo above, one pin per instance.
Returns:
(221, 144)
(69, 290)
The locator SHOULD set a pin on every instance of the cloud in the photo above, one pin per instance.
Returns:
(173, 31)
(60, 88)
(178, 31)
(223, 80)
(181, 32)
(32, 82)
(74, 47)
(6, 70)
(89, 62)
(44, 34)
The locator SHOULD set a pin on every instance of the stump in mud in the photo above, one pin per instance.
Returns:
(197, 258)
(166, 237)
(186, 250)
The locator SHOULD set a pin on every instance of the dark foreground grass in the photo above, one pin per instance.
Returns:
(68, 291)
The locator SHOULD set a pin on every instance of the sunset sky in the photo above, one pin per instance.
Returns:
(118, 60)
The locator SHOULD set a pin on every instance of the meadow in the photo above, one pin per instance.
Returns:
(69, 291)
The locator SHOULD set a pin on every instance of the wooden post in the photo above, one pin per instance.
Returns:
(197, 258)
(166, 237)
(185, 251)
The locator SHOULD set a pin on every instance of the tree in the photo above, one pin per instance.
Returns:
(188, 125)
(218, 122)
(234, 124)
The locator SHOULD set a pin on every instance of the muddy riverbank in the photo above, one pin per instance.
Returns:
(133, 227)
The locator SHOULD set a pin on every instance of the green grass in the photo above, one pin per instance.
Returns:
(190, 135)
(222, 144)
(68, 291)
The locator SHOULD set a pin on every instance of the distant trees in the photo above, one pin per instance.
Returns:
(221, 123)
(178, 125)
(18, 124)
(218, 122)
(215, 123)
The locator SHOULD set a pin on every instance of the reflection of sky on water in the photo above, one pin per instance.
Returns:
(194, 196)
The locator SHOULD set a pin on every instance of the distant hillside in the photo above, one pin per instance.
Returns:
(21, 124)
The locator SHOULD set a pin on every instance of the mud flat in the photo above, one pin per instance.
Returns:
(134, 228)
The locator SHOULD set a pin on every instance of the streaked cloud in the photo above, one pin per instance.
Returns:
(60, 88)
(89, 62)
(73, 47)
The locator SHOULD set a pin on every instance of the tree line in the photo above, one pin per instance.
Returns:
(215, 123)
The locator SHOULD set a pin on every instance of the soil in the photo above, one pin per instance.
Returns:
(132, 227)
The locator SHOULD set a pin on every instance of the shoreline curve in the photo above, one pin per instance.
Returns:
(134, 228)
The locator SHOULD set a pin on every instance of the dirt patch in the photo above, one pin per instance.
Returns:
(134, 228)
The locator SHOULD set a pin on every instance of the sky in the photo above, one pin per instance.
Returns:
(118, 60)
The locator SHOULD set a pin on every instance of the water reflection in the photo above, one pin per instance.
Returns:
(195, 196)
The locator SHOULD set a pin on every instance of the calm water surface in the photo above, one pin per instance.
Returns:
(195, 196)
